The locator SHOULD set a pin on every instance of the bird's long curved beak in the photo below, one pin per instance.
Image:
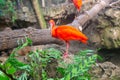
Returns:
(51, 26)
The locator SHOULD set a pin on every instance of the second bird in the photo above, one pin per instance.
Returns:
(77, 4)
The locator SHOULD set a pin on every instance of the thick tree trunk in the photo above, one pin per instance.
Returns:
(9, 38)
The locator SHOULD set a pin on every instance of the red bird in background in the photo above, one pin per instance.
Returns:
(77, 4)
(67, 33)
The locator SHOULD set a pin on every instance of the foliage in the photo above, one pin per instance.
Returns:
(12, 65)
(3, 76)
(37, 62)
(78, 69)
(7, 8)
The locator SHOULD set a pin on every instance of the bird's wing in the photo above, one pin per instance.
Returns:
(68, 33)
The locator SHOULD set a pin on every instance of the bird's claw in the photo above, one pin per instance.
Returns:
(65, 55)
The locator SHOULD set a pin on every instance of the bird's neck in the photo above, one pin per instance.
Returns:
(52, 26)
(53, 30)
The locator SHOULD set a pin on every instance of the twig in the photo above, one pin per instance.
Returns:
(115, 3)
(43, 3)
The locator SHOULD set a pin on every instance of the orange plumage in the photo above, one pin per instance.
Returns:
(67, 33)
(78, 4)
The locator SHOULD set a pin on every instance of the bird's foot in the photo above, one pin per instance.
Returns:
(65, 55)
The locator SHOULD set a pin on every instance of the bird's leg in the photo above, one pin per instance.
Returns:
(66, 53)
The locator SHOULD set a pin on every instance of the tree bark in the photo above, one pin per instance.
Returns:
(9, 38)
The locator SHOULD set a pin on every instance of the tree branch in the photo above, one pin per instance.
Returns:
(82, 19)
(9, 38)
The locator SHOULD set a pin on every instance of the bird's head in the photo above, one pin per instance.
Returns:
(52, 23)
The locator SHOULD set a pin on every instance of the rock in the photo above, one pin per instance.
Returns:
(26, 15)
(111, 37)
(3, 59)
(108, 29)
(105, 71)
(114, 14)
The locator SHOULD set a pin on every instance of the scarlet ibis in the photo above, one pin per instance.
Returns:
(67, 33)
(77, 4)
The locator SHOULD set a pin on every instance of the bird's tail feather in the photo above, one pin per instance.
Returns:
(84, 41)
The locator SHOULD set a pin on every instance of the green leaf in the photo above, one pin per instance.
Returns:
(11, 70)
(54, 53)
(11, 61)
(29, 41)
(6, 65)
(86, 52)
(74, 71)
(50, 79)
(25, 67)
(23, 76)
(1, 65)
(67, 77)
(61, 71)
(2, 2)
(3, 76)
(99, 58)
(44, 75)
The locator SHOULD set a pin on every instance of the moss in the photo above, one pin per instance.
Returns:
(111, 37)
(114, 14)
(109, 22)
(103, 23)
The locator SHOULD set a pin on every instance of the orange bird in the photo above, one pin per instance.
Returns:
(66, 33)
(77, 4)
